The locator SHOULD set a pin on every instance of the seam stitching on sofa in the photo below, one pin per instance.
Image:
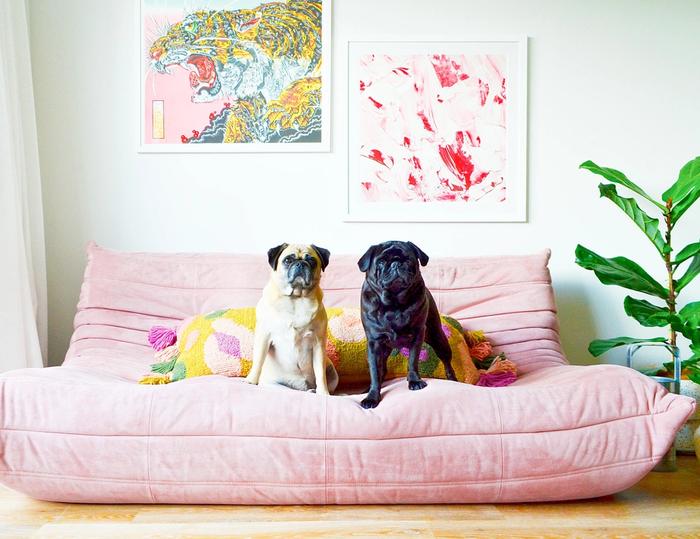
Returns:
(123, 311)
(500, 315)
(252, 258)
(325, 288)
(500, 443)
(93, 324)
(111, 339)
(351, 484)
(465, 434)
(148, 449)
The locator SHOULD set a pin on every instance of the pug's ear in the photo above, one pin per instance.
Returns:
(273, 255)
(420, 255)
(323, 254)
(366, 261)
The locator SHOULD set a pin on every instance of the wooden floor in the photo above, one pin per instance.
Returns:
(662, 505)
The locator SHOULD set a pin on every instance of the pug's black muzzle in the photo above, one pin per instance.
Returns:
(396, 277)
(300, 274)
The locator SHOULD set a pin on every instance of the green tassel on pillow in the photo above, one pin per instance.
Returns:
(164, 367)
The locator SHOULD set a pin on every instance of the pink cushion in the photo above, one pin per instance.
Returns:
(73, 434)
(85, 432)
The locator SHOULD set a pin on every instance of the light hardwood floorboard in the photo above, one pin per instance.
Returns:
(661, 505)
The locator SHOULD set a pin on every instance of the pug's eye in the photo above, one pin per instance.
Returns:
(288, 260)
(381, 263)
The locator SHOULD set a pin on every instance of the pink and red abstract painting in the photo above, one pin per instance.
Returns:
(436, 131)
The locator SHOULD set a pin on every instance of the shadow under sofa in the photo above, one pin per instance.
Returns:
(87, 432)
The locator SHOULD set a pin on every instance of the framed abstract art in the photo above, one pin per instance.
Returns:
(437, 131)
(234, 75)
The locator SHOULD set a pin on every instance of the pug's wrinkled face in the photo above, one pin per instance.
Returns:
(297, 267)
(393, 265)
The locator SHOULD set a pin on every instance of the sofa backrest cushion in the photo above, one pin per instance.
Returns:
(124, 294)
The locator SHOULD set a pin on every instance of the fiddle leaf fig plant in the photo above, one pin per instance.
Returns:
(663, 311)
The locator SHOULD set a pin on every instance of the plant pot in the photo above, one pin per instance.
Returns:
(684, 439)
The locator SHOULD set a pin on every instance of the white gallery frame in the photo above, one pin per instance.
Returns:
(515, 209)
(306, 147)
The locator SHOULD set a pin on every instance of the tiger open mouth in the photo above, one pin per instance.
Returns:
(202, 73)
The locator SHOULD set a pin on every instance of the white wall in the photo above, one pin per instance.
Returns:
(613, 81)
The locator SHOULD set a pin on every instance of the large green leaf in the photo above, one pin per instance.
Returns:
(647, 314)
(618, 177)
(694, 336)
(690, 315)
(687, 252)
(600, 346)
(694, 366)
(690, 273)
(619, 271)
(681, 207)
(694, 374)
(649, 225)
(686, 190)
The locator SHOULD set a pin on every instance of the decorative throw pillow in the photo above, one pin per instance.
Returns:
(347, 350)
(221, 342)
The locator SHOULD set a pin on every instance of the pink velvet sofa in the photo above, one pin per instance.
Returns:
(87, 432)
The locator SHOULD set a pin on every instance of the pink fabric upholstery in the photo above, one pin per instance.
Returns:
(125, 294)
(86, 432)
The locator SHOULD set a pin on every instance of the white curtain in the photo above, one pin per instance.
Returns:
(22, 256)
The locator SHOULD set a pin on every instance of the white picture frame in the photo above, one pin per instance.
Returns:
(378, 61)
(147, 146)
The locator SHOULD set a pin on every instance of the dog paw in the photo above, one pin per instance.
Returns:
(250, 380)
(451, 375)
(415, 385)
(369, 402)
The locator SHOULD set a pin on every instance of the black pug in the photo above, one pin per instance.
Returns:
(398, 311)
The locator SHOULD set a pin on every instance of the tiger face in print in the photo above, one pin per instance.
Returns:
(266, 60)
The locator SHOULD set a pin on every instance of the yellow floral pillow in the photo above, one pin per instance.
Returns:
(221, 342)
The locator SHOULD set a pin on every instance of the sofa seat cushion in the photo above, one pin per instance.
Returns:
(80, 434)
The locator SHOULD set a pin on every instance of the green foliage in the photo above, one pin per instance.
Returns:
(694, 373)
(685, 191)
(618, 177)
(690, 315)
(621, 271)
(600, 346)
(647, 314)
(690, 274)
(687, 252)
(648, 225)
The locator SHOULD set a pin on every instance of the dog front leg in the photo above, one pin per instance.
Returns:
(376, 355)
(261, 345)
(413, 377)
(319, 364)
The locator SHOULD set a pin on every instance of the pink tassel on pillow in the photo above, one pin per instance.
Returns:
(497, 379)
(501, 373)
(160, 337)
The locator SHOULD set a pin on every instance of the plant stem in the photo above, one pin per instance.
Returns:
(671, 301)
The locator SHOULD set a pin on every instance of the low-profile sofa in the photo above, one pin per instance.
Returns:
(87, 432)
